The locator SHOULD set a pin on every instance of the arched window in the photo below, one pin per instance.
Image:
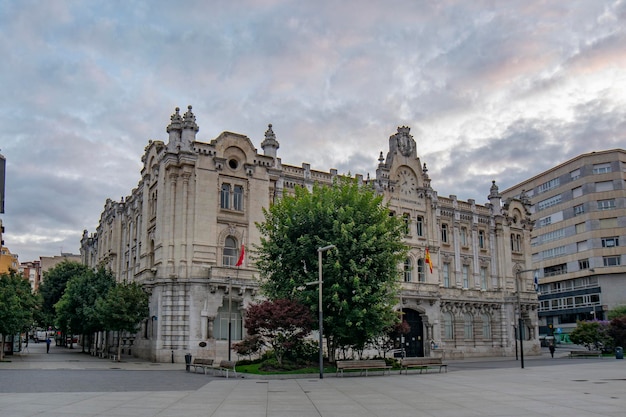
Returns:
(421, 276)
(486, 326)
(468, 328)
(448, 326)
(407, 270)
(230, 252)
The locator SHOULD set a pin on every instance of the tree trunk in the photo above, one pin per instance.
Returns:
(119, 346)
(2, 348)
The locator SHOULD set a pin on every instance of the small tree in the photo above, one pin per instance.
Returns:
(17, 304)
(592, 335)
(619, 311)
(386, 342)
(617, 330)
(279, 324)
(122, 309)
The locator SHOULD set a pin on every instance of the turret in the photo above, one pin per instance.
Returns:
(270, 145)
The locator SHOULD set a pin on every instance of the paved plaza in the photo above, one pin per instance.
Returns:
(69, 383)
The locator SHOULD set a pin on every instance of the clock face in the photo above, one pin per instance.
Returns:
(407, 182)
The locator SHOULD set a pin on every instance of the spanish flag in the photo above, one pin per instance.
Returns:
(428, 260)
(241, 256)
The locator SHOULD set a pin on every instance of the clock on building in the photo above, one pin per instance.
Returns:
(407, 181)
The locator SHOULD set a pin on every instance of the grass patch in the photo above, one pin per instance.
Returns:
(254, 368)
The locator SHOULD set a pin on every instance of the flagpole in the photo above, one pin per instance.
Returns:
(230, 300)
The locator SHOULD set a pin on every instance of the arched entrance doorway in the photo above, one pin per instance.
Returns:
(414, 341)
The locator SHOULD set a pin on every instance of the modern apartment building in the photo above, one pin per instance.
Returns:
(579, 238)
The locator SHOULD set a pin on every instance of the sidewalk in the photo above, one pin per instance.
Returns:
(573, 388)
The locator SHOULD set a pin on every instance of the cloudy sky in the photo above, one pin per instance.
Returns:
(492, 90)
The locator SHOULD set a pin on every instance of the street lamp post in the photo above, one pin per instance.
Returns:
(519, 308)
(321, 314)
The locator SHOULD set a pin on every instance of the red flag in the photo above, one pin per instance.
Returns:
(428, 260)
(241, 255)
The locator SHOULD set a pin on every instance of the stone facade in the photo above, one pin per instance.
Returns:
(180, 231)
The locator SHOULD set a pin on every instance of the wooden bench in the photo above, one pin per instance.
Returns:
(421, 364)
(201, 363)
(585, 354)
(225, 367)
(362, 365)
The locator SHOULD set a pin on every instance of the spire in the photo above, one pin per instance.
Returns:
(270, 145)
(190, 128)
(175, 127)
(494, 195)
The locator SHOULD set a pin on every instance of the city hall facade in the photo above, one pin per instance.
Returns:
(179, 234)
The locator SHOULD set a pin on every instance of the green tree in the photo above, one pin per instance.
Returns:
(592, 334)
(360, 278)
(122, 309)
(76, 313)
(17, 305)
(619, 311)
(52, 288)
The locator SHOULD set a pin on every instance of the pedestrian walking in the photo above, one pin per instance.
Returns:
(48, 341)
(552, 348)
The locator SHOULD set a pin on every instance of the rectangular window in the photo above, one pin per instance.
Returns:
(549, 202)
(545, 221)
(421, 276)
(579, 209)
(583, 264)
(608, 223)
(604, 186)
(444, 233)
(238, 198)
(407, 221)
(225, 196)
(486, 326)
(577, 192)
(420, 226)
(580, 228)
(446, 275)
(483, 278)
(575, 174)
(481, 239)
(582, 246)
(463, 236)
(465, 271)
(554, 270)
(611, 260)
(602, 168)
(610, 242)
(606, 204)
(546, 186)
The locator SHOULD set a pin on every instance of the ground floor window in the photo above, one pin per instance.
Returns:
(221, 323)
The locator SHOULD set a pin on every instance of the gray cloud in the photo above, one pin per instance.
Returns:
(492, 91)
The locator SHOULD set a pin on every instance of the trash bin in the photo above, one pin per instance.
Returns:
(187, 361)
(619, 352)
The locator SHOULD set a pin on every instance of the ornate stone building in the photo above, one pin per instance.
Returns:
(180, 231)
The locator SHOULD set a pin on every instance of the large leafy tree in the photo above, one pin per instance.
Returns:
(122, 309)
(359, 278)
(76, 310)
(17, 305)
(53, 285)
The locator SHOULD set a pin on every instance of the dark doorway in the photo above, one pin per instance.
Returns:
(414, 341)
